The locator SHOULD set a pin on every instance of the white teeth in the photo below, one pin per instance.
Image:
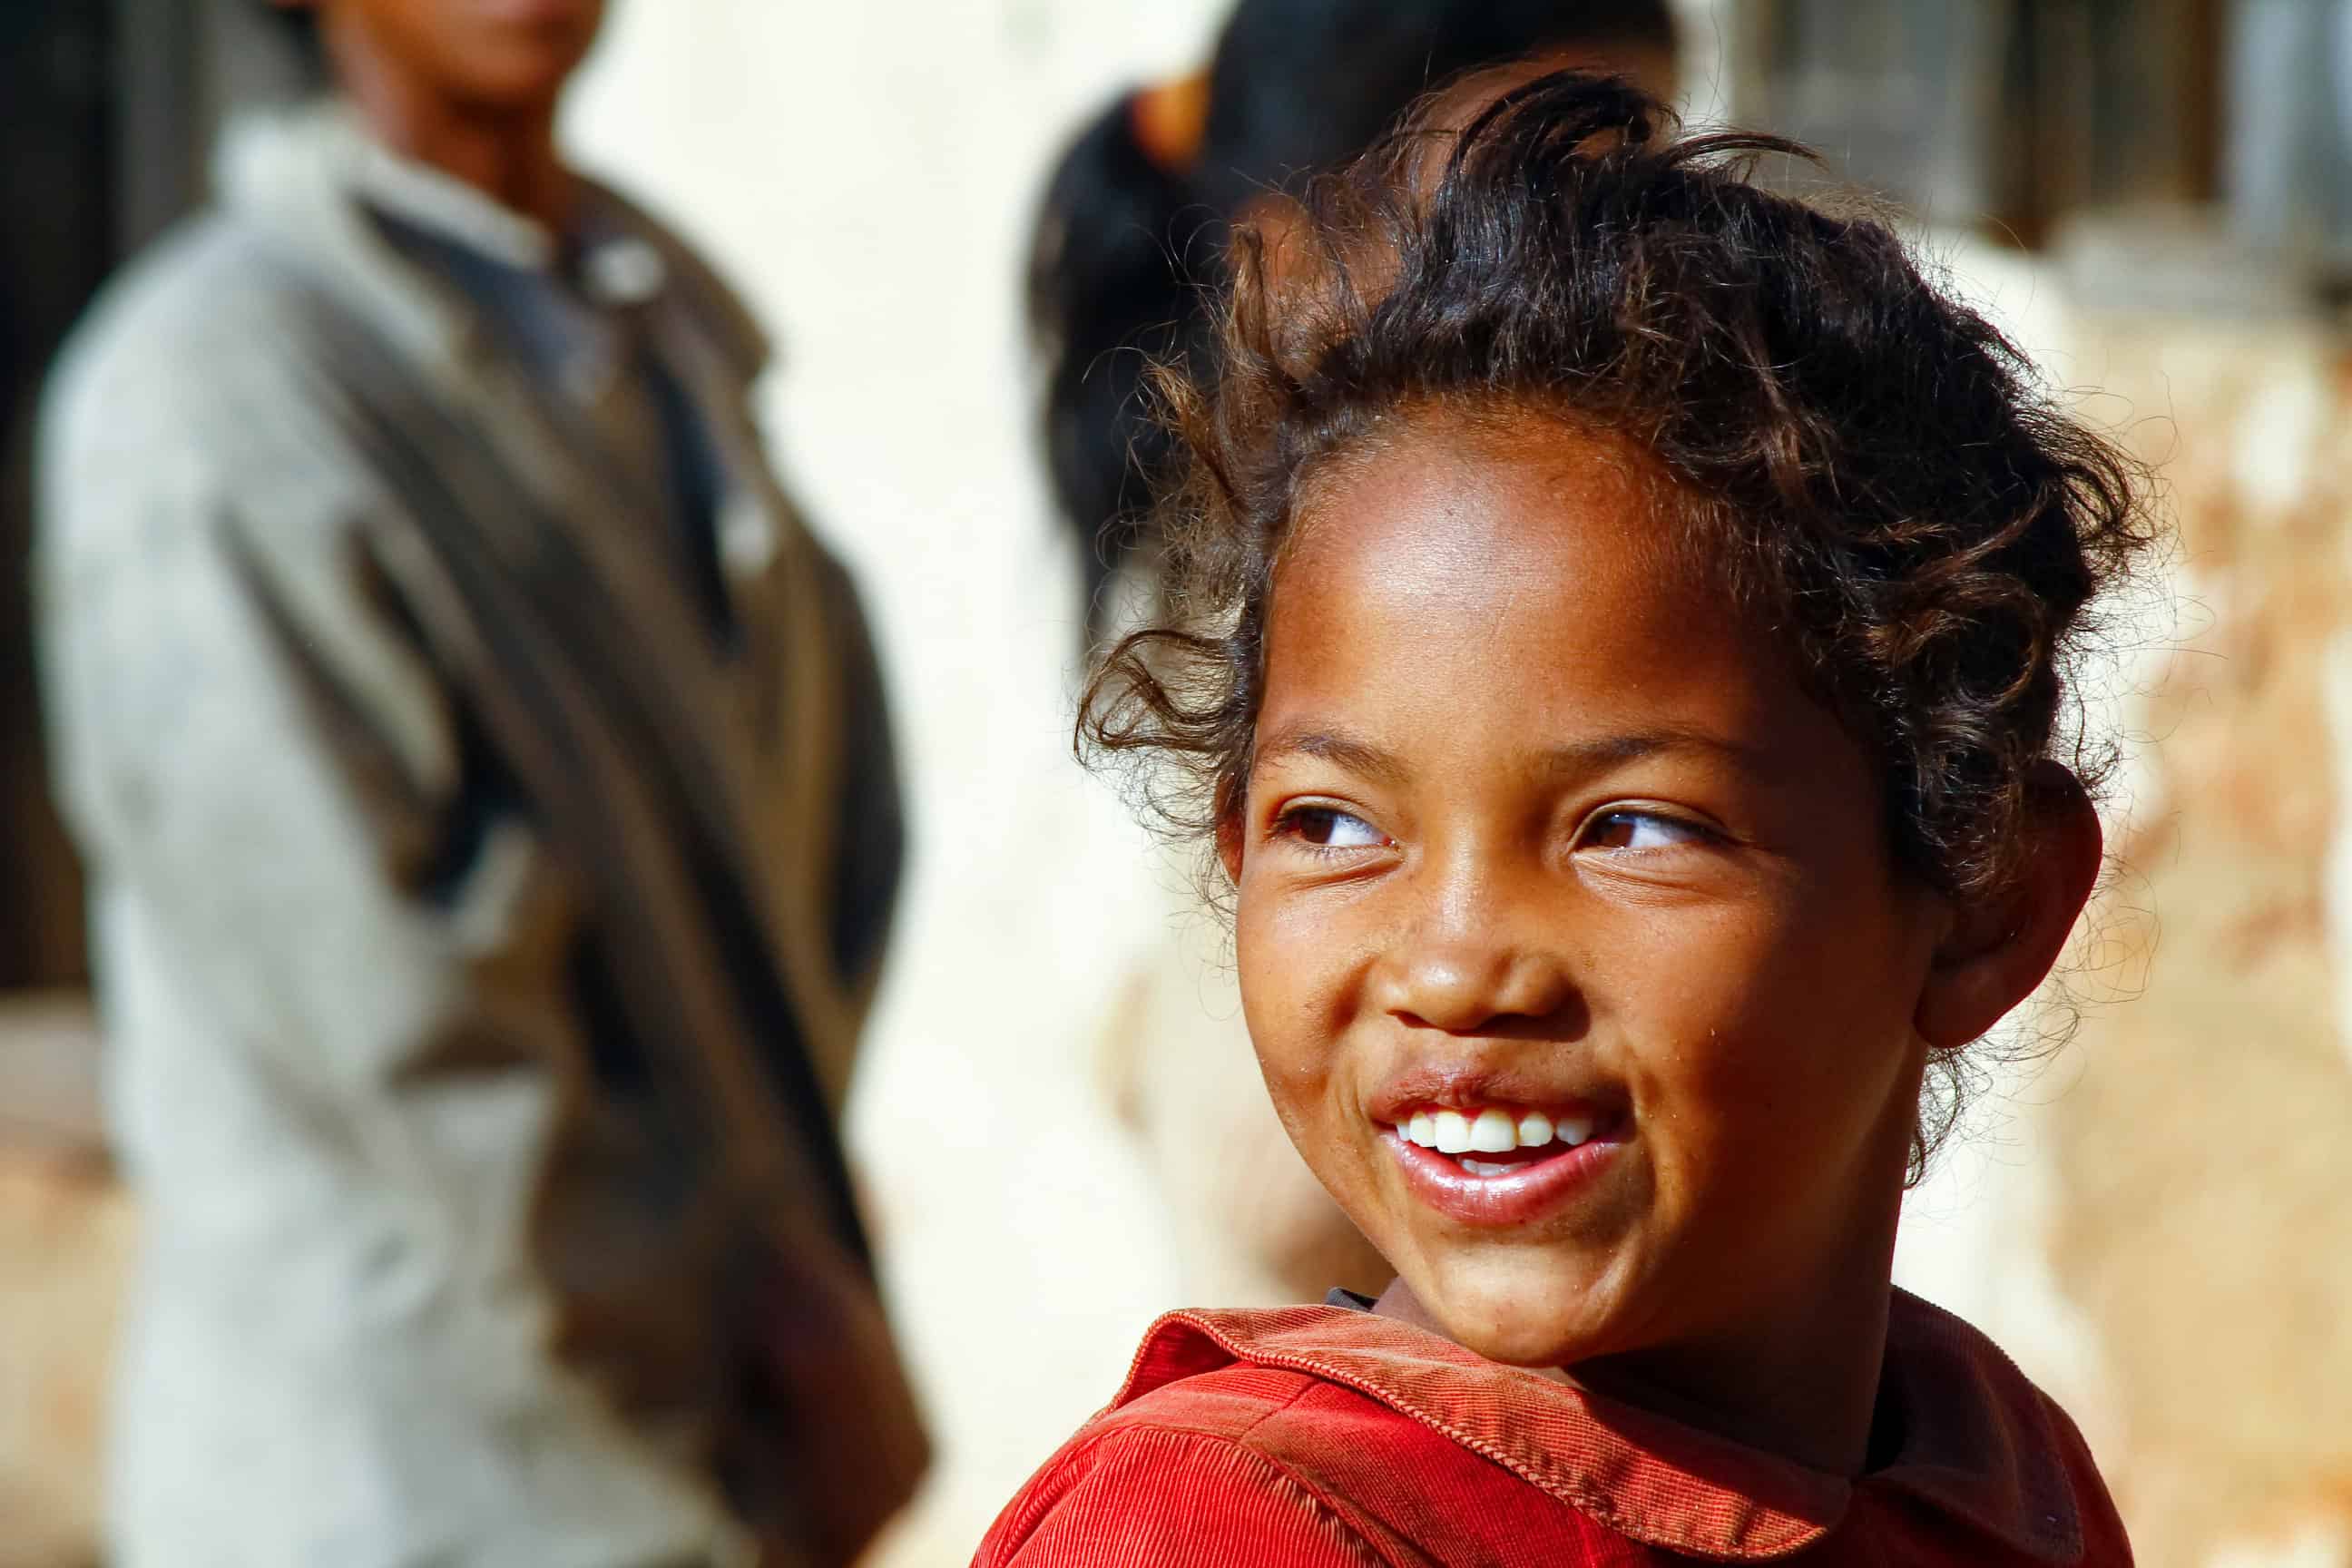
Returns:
(1494, 1133)
(1453, 1130)
(1491, 1130)
(1486, 1167)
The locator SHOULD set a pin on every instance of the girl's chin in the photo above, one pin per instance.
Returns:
(1538, 1347)
(1515, 1318)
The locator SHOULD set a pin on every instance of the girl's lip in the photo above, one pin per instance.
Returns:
(1470, 1088)
(1516, 1198)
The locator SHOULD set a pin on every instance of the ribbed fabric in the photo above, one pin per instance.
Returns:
(1318, 1435)
(1212, 1501)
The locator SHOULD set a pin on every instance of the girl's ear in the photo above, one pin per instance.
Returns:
(1229, 844)
(1995, 953)
(1231, 808)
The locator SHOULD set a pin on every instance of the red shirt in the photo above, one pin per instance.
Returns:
(1321, 1438)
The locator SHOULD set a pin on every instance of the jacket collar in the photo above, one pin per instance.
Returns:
(311, 177)
(1981, 1446)
(309, 173)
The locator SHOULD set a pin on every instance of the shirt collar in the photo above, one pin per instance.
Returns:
(1981, 1444)
(299, 168)
(617, 267)
(424, 196)
(273, 155)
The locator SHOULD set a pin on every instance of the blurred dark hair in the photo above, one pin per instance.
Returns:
(1867, 467)
(1295, 85)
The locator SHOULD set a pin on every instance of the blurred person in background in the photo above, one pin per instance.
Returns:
(1129, 238)
(493, 831)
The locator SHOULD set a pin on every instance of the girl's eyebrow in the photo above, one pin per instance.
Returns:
(1603, 752)
(1358, 756)
(1572, 758)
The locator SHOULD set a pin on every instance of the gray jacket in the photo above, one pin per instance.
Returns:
(473, 1189)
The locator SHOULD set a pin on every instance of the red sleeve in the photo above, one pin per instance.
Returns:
(1142, 1497)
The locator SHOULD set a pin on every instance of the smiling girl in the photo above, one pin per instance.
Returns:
(1620, 653)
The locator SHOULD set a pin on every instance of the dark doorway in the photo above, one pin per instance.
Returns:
(57, 191)
(107, 111)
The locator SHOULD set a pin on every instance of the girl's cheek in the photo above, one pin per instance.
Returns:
(1270, 1002)
(1296, 1050)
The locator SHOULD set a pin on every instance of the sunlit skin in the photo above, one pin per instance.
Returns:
(469, 87)
(1535, 817)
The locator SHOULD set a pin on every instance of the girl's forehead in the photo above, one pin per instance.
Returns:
(1449, 497)
(1500, 595)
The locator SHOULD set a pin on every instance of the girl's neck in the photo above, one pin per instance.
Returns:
(1807, 1392)
(1798, 1377)
(508, 154)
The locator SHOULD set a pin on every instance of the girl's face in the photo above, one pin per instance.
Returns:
(1549, 860)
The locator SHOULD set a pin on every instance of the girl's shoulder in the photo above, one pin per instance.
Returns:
(1324, 1437)
(1294, 1436)
(1199, 1475)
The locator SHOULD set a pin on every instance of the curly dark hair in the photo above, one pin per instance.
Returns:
(1868, 467)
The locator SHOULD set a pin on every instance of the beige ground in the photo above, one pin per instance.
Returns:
(65, 1242)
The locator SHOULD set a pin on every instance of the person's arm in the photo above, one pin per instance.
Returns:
(1145, 1498)
(256, 756)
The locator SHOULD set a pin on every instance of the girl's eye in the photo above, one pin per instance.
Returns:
(1329, 827)
(1640, 830)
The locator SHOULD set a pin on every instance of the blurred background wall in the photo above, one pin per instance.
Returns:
(2155, 195)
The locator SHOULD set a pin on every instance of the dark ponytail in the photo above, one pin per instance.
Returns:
(1108, 294)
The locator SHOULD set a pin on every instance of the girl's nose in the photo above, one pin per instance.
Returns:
(1466, 980)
